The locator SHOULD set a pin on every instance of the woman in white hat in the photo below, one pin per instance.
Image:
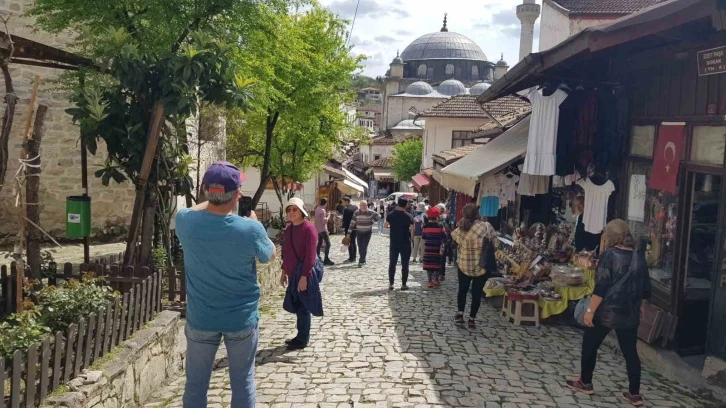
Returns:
(299, 247)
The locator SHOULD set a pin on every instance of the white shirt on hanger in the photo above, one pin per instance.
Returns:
(542, 143)
(595, 213)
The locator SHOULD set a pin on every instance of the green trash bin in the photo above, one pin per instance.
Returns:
(78, 216)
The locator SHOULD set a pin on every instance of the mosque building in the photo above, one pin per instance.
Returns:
(432, 69)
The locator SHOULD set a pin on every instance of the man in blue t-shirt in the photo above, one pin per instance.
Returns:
(220, 254)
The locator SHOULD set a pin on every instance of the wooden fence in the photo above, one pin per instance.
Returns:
(31, 375)
(100, 266)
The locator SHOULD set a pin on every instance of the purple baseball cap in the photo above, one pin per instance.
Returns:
(225, 174)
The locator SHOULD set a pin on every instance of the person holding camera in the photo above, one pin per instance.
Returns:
(221, 251)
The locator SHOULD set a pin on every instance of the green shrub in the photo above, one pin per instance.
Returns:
(20, 331)
(69, 302)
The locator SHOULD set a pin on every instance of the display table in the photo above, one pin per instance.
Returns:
(555, 307)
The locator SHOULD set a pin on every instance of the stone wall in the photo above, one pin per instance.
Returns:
(134, 370)
(60, 151)
(268, 276)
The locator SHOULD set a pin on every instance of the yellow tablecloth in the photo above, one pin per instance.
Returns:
(554, 307)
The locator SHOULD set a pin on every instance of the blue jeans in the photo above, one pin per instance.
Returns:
(202, 347)
(380, 226)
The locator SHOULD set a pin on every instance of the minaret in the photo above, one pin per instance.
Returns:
(527, 13)
(500, 68)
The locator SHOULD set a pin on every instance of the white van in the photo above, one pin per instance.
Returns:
(393, 198)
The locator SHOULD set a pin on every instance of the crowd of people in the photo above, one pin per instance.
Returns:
(221, 251)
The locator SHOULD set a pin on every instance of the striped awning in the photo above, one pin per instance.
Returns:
(420, 181)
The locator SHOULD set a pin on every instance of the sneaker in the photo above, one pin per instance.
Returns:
(578, 385)
(472, 324)
(442, 278)
(459, 319)
(429, 284)
(414, 261)
(390, 287)
(288, 341)
(404, 287)
(360, 264)
(296, 345)
(328, 262)
(437, 283)
(636, 400)
(347, 261)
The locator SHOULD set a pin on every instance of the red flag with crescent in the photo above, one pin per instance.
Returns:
(667, 157)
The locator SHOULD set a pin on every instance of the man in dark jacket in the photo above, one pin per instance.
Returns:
(350, 209)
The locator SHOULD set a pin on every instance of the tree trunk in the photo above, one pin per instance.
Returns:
(10, 101)
(157, 119)
(265, 171)
(32, 187)
(147, 229)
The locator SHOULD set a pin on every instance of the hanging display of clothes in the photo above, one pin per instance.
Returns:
(508, 191)
(489, 192)
(596, 204)
(612, 126)
(530, 185)
(542, 143)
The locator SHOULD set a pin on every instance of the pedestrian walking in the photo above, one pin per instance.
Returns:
(321, 225)
(400, 223)
(340, 208)
(301, 272)
(622, 285)
(469, 239)
(221, 250)
(382, 215)
(418, 223)
(350, 209)
(434, 236)
(362, 225)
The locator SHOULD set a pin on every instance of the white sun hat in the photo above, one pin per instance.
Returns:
(297, 203)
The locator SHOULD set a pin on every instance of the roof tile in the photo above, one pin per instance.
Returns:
(466, 106)
(604, 6)
(451, 155)
(382, 162)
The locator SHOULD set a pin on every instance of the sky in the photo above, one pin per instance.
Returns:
(384, 26)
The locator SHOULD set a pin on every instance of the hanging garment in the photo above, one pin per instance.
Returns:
(596, 204)
(569, 111)
(585, 132)
(489, 206)
(541, 157)
(508, 189)
(530, 185)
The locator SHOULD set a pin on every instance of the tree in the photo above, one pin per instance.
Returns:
(407, 157)
(302, 72)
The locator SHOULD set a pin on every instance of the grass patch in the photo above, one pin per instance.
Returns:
(105, 359)
(62, 389)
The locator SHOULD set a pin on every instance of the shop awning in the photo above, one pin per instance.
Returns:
(355, 179)
(505, 149)
(349, 188)
(649, 21)
(420, 181)
(383, 175)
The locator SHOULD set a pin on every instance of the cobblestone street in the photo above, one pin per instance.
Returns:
(376, 348)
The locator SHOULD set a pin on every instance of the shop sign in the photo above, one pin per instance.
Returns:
(711, 62)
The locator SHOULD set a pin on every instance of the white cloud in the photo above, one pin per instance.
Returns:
(383, 27)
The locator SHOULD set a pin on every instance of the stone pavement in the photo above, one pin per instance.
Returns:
(376, 348)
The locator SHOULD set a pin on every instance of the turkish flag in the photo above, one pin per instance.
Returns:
(667, 159)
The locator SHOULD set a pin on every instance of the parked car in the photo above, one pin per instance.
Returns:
(393, 198)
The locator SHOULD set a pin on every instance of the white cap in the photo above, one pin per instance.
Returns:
(297, 203)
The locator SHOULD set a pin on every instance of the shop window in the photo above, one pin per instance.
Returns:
(707, 144)
(422, 70)
(653, 217)
(460, 138)
(449, 69)
(643, 141)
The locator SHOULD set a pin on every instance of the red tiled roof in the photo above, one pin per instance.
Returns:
(451, 155)
(604, 6)
(466, 106)
(383, 162)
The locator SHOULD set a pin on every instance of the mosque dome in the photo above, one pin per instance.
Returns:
(419, 88)
(479, 88)
(451, 87)
(397, 60)
(410, 124)
(502, 63)
(443, 45)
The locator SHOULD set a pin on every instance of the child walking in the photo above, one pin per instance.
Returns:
(434, 237)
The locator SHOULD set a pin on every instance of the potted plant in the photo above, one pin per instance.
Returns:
(276, 225)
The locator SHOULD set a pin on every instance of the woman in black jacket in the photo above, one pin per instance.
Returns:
(622, 285)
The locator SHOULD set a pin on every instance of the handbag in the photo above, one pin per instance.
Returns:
(487, 259)
(584, 303)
